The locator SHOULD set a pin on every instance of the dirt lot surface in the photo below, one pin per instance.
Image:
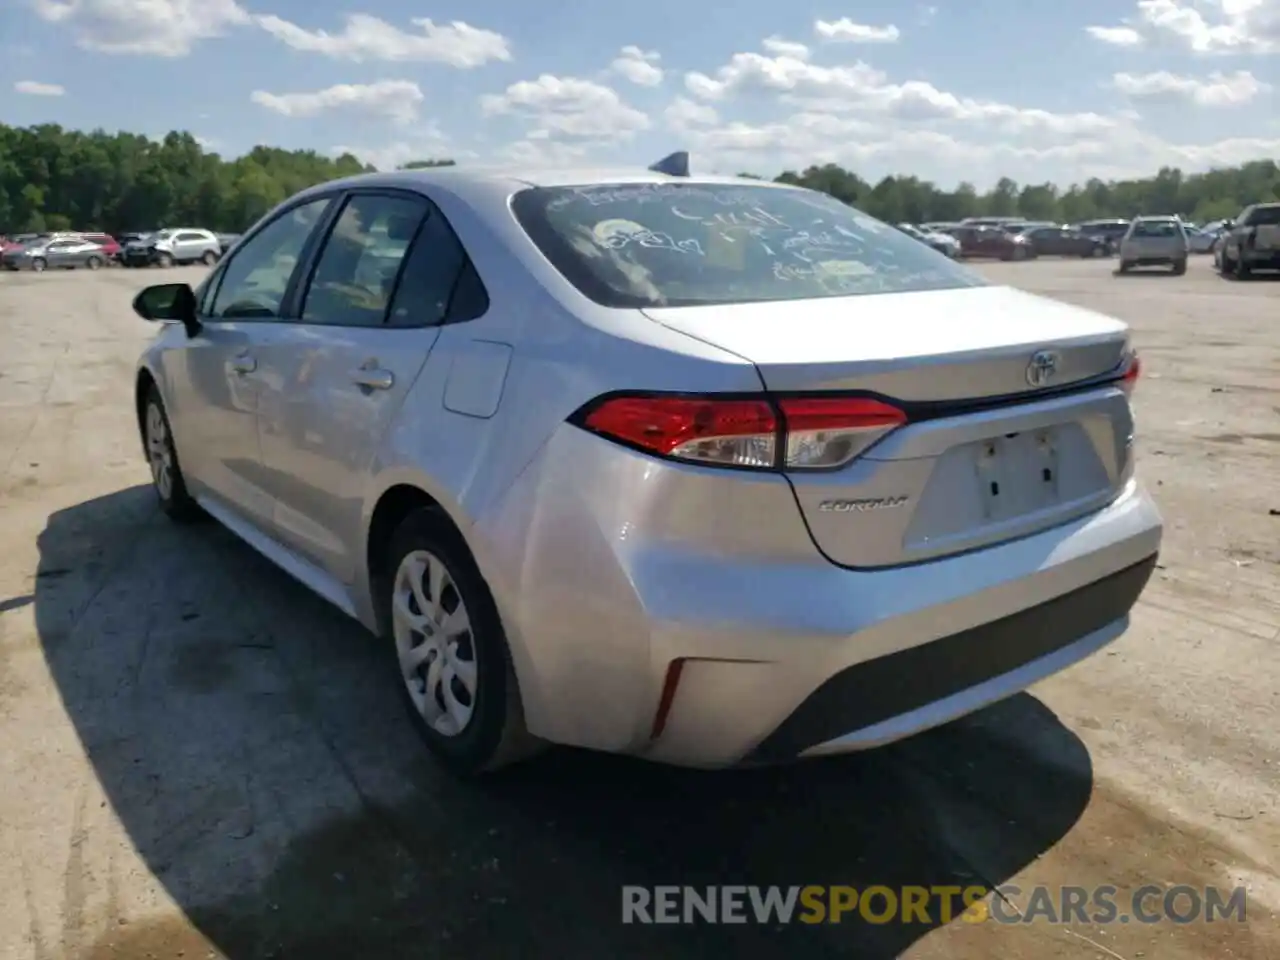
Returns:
(198, 758)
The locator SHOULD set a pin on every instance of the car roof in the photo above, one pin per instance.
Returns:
(468, 180)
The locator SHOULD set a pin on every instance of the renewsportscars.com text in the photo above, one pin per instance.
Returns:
(1008, 903)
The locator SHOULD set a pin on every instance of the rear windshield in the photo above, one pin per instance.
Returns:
(689, 244)
(1157, 228)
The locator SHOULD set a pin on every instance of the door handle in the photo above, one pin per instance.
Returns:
(373, 378)
(243, 363)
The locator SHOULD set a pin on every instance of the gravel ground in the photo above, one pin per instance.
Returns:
(201, 759)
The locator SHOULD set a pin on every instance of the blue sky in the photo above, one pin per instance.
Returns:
(945, 91)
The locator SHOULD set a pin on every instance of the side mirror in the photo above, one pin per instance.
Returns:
(169, 303)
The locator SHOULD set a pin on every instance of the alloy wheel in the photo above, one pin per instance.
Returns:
(432, 631)
(159, 452)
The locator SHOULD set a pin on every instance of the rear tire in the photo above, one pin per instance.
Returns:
(1124, 267)
(39, 264)
(93, 263)
(162, 456)
(448, 649)
(209, 258)
(1179, 267)
(165, 260)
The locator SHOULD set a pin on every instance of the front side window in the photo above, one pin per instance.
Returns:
(357, 270)
(688, 244)
(254, 283)
(1263, 217)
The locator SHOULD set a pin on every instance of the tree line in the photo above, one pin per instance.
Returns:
(56, 179)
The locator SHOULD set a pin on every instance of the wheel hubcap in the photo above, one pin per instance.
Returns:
(159, 453)
(433, 642)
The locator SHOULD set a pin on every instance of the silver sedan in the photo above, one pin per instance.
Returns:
(704, 470)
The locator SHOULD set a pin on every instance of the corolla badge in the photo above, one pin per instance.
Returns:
(1043, 367)
(861, 506)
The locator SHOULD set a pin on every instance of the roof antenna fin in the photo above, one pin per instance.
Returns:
(674, 165)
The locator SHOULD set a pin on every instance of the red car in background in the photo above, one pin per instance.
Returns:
(108, 243)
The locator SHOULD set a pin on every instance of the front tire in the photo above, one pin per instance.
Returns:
(453, 666)
(165, 260)
(1179, 267)
(1242, 269)
(1125, 267)
(162, 457)
(93, 263)
(39, 264)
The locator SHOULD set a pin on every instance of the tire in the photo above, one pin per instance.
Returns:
(165, 259)
(1179, 267)
(1125, 266)
(209, 258)
(1019, 254)
(485, 728)
(1242, 270)
(162, 458)
(93, 263)
(39, 264)
(1099, 251)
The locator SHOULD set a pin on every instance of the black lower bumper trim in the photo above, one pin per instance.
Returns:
(877, 690)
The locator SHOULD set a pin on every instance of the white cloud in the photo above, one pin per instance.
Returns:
(683, 113)
(35, 88)
(1116, 36)
(366, 37)
(858, 88)
(785, 48)
(397, 99)
(1216, 26)
(845, 30)
(1215, 90)
(638, 66)
(568, 107)
(161, 28)
(426, 142)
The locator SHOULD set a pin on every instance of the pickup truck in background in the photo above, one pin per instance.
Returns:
(1250, 242)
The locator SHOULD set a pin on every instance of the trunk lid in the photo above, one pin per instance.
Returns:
(993, 450)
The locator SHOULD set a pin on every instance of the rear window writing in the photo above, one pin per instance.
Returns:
(1157, 228)
(686, 244)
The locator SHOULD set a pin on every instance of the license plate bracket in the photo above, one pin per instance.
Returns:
(1017, 473)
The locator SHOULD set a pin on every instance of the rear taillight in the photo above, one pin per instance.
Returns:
(789, 433)
(1132, 370)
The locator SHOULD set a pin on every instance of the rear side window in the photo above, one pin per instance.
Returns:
(688, 244)
(1263, 217)
(357, 270)
(439, 283)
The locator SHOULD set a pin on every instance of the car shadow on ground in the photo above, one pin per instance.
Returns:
(249, 739)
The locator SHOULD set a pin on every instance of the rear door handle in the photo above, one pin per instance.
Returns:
(243, 363)
(373, 378)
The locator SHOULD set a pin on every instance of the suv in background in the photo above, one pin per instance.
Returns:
(176, 245)
(1113, 230)
(1155, 242)
(1250, 242)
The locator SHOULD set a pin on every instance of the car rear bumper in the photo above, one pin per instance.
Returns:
(662, 627)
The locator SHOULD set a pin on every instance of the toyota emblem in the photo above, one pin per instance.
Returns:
(1042, 368)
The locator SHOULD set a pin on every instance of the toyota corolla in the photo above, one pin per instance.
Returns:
(705, 470)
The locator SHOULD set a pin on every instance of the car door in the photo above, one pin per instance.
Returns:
(58, 253)
(370, 314)
(214, 377)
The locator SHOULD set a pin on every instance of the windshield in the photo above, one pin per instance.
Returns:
(688, 244)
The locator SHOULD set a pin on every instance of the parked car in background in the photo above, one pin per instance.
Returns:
(942, 242)
(1251, 242)
(660, 517)
(993, 242)
(1113, 229)
(1154, 242)
(110, 246)
(62, 253)
(1199, 241)
(176, 245)
(1056, 241)
(991, 221)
